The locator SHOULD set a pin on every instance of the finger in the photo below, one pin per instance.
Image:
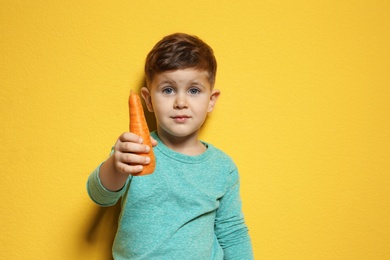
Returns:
(129, 169)
(129, 147)
(154, 141)
(130, 137)
(133, 159)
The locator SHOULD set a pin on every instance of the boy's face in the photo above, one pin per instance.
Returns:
(181, 100)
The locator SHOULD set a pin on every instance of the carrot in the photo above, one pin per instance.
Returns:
(139, 127)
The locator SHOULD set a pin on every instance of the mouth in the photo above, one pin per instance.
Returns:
(180, 118)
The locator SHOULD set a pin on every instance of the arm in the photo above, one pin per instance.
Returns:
(230, 227)
(106, 182)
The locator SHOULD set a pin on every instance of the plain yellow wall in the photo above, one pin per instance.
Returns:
(304, 112)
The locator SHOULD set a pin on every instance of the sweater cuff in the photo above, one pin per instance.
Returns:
(98, 193)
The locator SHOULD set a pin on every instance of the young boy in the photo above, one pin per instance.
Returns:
(190, 207)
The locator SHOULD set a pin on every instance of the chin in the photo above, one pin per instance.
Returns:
(179, 133)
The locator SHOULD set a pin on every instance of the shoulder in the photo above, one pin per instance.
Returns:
(218, 152)
(220, 157)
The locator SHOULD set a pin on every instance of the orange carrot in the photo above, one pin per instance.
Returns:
(139, 127)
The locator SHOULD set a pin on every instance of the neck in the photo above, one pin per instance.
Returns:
(189, 145)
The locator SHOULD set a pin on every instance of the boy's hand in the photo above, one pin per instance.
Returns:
(127, 150)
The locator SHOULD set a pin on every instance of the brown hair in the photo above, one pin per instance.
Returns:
(180, 51)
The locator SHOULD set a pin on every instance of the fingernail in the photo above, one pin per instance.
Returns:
(147, 159)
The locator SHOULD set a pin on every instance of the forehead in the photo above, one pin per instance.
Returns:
(182, 76)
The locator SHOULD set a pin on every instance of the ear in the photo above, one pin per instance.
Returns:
(147, 98)
(213, 99)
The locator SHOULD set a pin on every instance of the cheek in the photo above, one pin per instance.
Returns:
(159, 110)
(156, 103)
(204, 108)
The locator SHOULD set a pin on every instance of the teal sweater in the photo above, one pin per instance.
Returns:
(189, 208)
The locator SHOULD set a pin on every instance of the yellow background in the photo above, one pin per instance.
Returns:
(304, 112)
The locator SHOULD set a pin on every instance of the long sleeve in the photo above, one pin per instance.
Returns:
(230, 227)
(99, 194)
(189, 208)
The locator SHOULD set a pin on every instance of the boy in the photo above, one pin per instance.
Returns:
(190, 207)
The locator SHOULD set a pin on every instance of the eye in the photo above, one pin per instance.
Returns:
(194, 91)
(168, 90)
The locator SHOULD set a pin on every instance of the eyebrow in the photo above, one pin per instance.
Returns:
(165, 82)
(196, 83)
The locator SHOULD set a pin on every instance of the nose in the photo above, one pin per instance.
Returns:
(180, 102)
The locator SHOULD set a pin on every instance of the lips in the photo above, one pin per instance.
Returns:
(180, 118)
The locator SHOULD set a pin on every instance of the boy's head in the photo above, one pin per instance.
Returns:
(180, 51)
